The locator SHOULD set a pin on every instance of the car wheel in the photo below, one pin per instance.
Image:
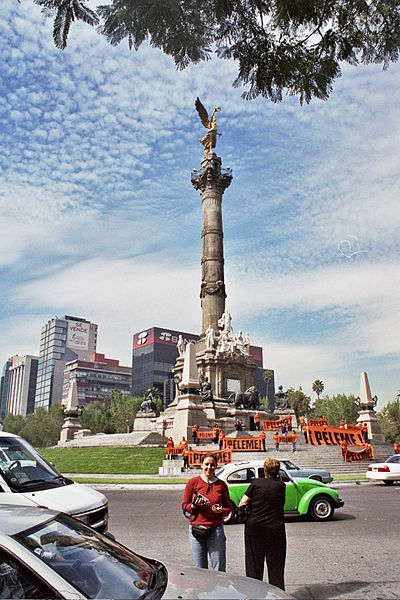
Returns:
(321, 509)
(230, 518)
(388, 482)
(316, 478)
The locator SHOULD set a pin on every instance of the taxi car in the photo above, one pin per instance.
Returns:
(303, 496)
(45, 554)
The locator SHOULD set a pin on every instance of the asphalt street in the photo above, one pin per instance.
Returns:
(354, 556)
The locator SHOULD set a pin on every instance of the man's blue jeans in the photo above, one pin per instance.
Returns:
(214, 546)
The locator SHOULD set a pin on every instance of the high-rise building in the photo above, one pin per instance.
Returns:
(22, 385)
(155, 353)
(61, 341)
(96, 378)
(4, 383)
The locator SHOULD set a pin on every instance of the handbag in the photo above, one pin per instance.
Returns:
(241, 513)
(202, 532)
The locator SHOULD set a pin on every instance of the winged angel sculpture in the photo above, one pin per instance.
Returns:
(209, 141)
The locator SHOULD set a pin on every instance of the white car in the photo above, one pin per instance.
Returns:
(49, 555)
(28, 479)
(388, 471)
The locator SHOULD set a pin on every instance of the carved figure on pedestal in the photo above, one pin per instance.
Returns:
(225, 321)
(148, 405)
(250, 399)
(282, 399)
(206, 391)
(210, 338)
(239, 342)
(209, 141)
(181, 346)
(247, 343)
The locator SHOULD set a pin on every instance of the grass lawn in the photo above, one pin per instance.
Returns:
(135, 461)
(136, 481)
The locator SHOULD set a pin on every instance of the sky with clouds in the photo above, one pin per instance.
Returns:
(99, 219)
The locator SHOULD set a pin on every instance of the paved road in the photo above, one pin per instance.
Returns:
(352, 557)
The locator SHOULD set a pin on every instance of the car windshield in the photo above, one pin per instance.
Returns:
(94, 564)
(289, 465)
(393, 459)
(23, 469)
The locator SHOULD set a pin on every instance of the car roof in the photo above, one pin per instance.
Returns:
(14, 519)
(5, 434)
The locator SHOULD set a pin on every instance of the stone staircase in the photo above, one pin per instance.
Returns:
(306, 456)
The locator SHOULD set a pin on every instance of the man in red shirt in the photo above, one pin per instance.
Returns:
(257, 421)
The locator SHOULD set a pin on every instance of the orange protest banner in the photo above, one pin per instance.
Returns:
(333, 436)
(358, 455)
(317, 422)
(174, 451)
(196, 456)
(285, 439)
(205, 435)
(274, 425)
(243, 444)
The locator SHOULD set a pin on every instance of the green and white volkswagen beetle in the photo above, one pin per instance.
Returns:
(303, 496)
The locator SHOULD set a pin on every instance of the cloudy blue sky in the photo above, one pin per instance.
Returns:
(99, 219)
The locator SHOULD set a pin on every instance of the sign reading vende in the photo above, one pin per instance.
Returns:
(333, 436)
(243, 444)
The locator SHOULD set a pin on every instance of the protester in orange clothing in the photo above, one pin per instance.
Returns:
(169, 444)
(344, 449)
(396, 447)
(215, 434)
(263, 435)
(184, 443)
(195, 429)
(221, 439)
(185, 454)
(257, 421)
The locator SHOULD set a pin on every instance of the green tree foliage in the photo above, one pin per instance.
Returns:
(389, 418)
(299, 402)
(267, 376)
(96, 416)
(318, 387)
(292, 46)
(13, 423)
(335, 409)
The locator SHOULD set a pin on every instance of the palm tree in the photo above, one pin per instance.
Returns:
(318, 387)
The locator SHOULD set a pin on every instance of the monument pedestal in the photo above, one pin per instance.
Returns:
(188, 412)
(281, 414)
(369, 418)
(144, 421)
(70, 427)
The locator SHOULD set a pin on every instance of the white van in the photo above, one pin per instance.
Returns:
(27, 478)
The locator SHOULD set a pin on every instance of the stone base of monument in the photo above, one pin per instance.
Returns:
(82, 433)
(69, 429)
(145, 421)
(171, 468)
(369, 418)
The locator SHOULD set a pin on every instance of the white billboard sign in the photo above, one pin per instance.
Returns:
(78, 335)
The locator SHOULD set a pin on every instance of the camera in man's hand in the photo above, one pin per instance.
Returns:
(203, 499)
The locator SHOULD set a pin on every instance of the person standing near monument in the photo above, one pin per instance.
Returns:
(264, 530)
(215, 434)
(195, 429)
(206, 499)
(396, 447)
(263, 435)
(221, 438)
(169, 444)
(185, 454)
(257, 421)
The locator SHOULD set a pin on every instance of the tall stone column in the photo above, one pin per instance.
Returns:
(212, 181)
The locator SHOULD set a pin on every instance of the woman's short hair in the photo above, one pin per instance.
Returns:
(271, 467)
(210, 455)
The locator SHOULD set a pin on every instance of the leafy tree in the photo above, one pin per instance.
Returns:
(318, 387)
(299, 402)
(389, 418)
(43, 427)
(267, 376)
(96, 416)
(292, 46)
(13, 423)
(335, 409)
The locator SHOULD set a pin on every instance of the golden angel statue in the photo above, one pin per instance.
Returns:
(209, 141)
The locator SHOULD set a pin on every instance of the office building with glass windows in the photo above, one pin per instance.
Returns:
(96, 378)
(4, 383)
(22, 385)
(62, 340)
(155, 353)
